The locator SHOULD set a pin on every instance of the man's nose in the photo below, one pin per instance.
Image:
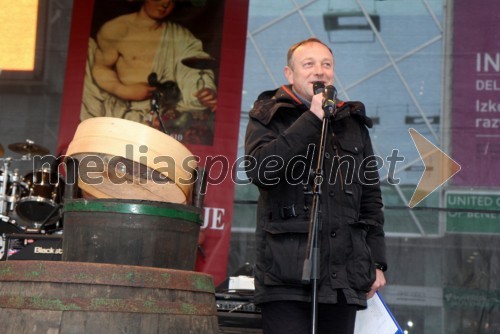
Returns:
(319, 70)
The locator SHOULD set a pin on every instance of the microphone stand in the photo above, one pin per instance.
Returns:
(155, 99)
(155, 106)
(310, 270)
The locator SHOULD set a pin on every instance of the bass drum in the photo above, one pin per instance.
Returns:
(42, 204)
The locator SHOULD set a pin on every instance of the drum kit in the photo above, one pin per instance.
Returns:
(29, 203)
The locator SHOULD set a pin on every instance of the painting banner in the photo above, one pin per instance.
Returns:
(176, 67)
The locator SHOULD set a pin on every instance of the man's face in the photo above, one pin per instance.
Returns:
(158, 9)
(311, 62)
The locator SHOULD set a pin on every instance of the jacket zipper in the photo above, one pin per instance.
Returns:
(339, 171)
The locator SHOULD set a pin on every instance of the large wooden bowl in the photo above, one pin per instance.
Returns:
(123, 159)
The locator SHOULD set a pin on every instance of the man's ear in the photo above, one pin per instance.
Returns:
(289, 74)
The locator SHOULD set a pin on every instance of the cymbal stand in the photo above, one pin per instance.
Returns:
(16, 183)
(4, 178)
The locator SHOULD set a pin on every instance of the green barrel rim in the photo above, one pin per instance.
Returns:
(131, 208)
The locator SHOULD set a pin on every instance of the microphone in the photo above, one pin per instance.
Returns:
(329, 96)
(330, 100)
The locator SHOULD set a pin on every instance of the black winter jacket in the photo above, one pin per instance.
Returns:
(282, 141)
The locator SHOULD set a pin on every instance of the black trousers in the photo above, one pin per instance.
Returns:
(291, 317)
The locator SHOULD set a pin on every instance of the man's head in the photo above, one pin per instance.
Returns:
(309, 61)
(158, 9)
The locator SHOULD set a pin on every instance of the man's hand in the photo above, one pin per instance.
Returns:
(207, 98)
(378, 284)
(317, 105)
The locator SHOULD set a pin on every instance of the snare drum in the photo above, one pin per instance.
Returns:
(42, 202)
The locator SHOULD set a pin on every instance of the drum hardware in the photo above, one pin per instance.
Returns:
(199, 191)
(9, 193)
(199, 188)
(12, 187)
(16, 189)
(10, 222)
(35, 230)
(28, 148)
(21, 159)
(41, 204)
(4, 187)
(32, 198)
(21, 198)
(41, 228)
(48, 220)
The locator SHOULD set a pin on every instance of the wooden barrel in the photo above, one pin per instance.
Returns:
(131, 232)
(128, 160)
(71, 297)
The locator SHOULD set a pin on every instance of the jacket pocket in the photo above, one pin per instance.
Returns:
(351, 160)
(285, 252)
(360, 268)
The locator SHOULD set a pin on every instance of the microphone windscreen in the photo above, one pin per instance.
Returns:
(318, 87)
(330, 93)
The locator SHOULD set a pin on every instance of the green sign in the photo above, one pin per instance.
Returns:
(473, 299)
(476, 212)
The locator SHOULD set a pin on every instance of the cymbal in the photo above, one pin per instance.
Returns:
(200, 63)
(28, 148)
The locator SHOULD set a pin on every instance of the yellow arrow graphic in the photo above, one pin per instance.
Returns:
(439, 167)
